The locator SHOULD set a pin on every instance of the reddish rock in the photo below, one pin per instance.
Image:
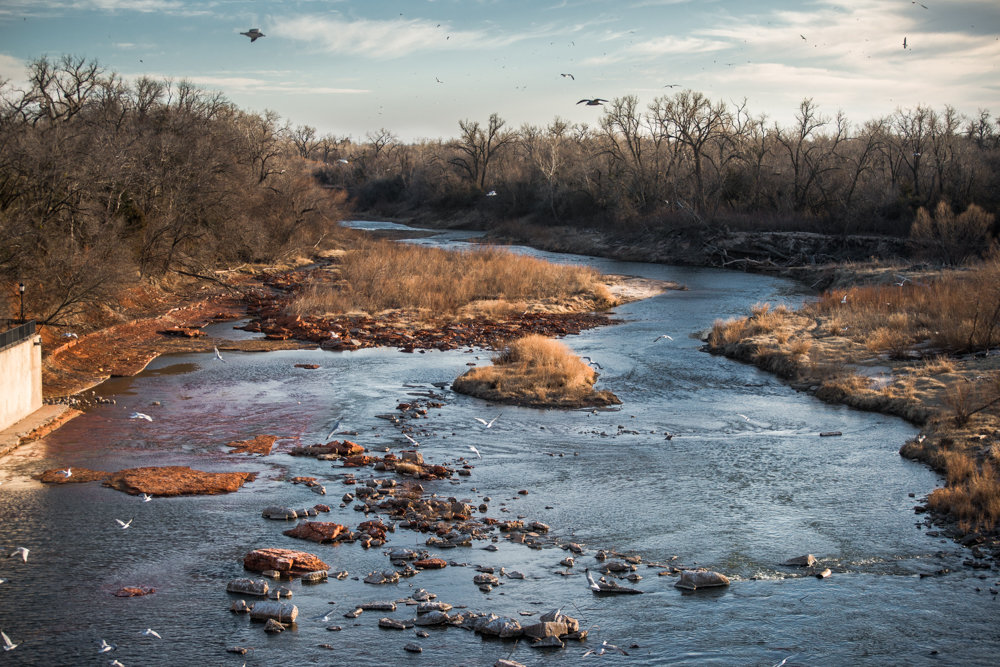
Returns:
(321, 508)
(430, 564)
(133, 591)
(302, 480)
(260, 445)
(317, 531)
(374, 528)
(307, 366)
(182, 332)
(357, 461)
(283, 560)
(77, 475)
(335, 447)
(177, 481)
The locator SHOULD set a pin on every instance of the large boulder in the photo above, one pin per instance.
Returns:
(262, 445)
(283, 560)
(177, 481)
(317, 531)
(694, 579)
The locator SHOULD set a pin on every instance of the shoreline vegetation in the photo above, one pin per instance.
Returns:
(537, 372)
(926, 351)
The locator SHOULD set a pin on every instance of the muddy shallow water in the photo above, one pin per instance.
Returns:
(744, 483)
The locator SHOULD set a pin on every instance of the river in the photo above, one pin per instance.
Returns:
(744, 483)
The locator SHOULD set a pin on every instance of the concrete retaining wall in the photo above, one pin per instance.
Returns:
(20, 380)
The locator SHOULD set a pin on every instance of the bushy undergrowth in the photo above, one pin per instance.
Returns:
(383, 275)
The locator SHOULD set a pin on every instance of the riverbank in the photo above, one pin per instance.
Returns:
(953, 398)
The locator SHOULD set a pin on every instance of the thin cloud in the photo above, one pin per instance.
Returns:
(240, 83)
(386, 39)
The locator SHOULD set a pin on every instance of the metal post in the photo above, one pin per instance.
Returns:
(20, 287)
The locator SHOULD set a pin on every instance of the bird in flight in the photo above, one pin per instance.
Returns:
(415, 443)
(597, 101)
(253, 34)
(125, 524)
(218, 355)
(672, 85)
(491, 193)
(69, 334)
(146, 497)
(593, 363)
(569, 75)
(476, 451)
(150, 632)
(140, 415)
(105, 647)
(593, 584)
(8, 645)
(662, 336)
(802, 36)
(904, 42)
(605, 646)
(489, 423)
(438, 80)
(68, 472)
(333, 429)
(23, 552)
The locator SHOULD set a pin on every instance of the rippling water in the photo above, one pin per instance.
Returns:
(744, 484)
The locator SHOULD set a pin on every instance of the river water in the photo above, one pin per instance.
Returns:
(744, 484)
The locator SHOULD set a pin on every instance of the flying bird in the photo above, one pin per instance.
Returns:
(146, 497)
(569, 75)
(802, 36)
(489, 423)
(415, 443)
(8, 645)
(904, 42)
(593, 584)
(253, 34)
(333, 429)
(115, 663)
(844, 300)
(593, 363)
(491, 193)
(150, 632)
(218, 355)
(662, 336)
(125, 524)
(476, 451)
(105, 647)
(672, 85)
(140, 415)
(597, 101)
(69, 334)
(605, 646)
(23, 552)
(438, 80)
(68, 472)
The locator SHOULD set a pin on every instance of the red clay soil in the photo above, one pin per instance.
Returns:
(262, 445)
(177, 481)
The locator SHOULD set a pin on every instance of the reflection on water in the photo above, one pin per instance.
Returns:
(743, 483)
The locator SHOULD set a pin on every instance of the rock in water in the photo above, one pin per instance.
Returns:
(283, 560)
(802, 561)
(247, 586)
(282, 612)
(694, 579)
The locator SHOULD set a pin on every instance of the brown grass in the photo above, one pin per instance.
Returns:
(383, 275)
(973, 500)
(535, 370)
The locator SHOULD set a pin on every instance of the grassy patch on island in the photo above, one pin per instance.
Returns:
(381, 276)
(536, 371)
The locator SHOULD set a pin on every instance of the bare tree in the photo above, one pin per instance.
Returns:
(478, 147)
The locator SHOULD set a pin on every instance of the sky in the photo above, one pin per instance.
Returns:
(418, 67)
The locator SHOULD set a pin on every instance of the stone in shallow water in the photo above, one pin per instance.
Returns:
(694, 579)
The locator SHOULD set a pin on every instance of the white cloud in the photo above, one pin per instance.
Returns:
(386, 39)
(249, 84)
(13, 70)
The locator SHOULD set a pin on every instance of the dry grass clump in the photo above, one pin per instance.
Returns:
(958, 312)
(973, 500)
(762, 320)
(382, 275)
(535, 370)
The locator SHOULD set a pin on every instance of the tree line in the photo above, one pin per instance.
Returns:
(104, 183)
(684, 160)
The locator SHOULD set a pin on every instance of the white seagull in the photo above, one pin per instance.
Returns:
(68, 472)
(115, 663)
(146, 497)
(8, 645)
(476, 451)
(140, 415)
(125, 524)
(70, 334)
(844, 300)
(605, 646)
(333, 429)
(593, 363)
(593, 584)
(218, 355)
(662, 336)
(415, 443)
(23, 552)
(105, 647)
(489, 423)
(150, 632)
